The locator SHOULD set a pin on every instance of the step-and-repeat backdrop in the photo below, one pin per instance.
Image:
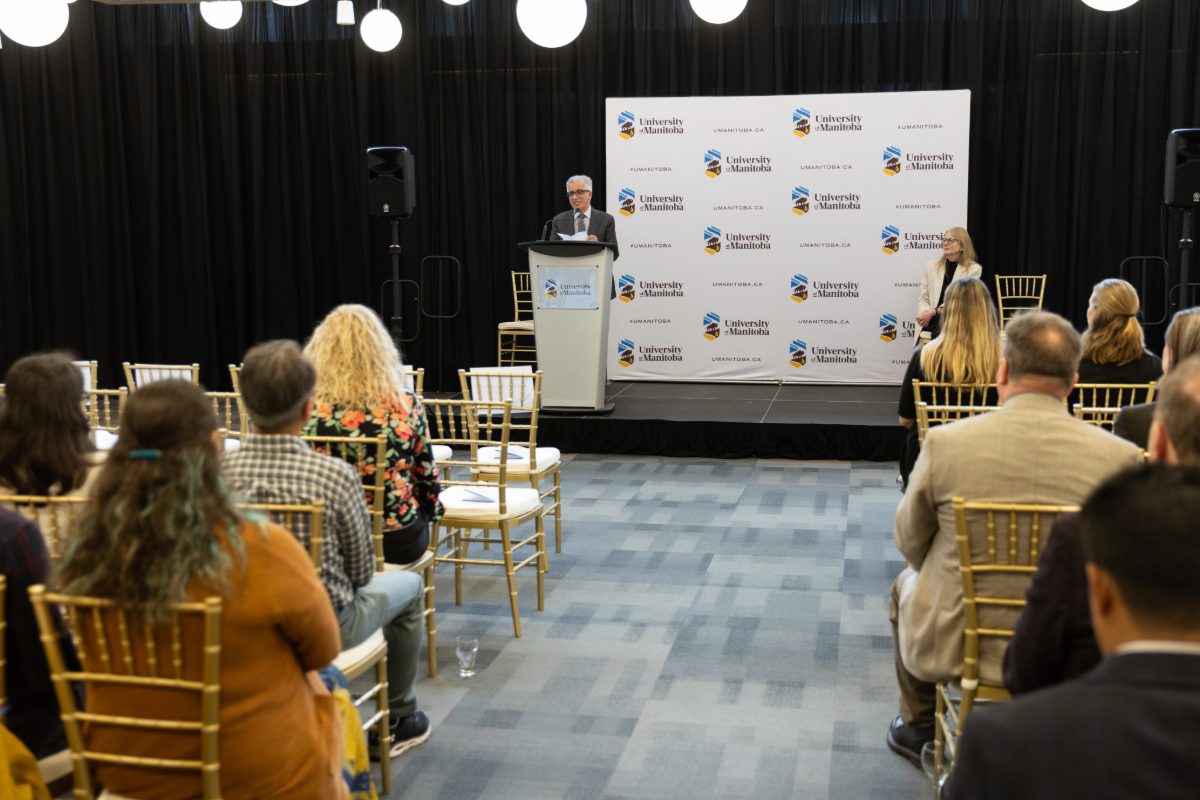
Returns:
(778, 237)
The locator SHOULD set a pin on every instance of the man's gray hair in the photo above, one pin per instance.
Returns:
(1039, 344)
(1178, 409)
(584, 179)
(276, 381)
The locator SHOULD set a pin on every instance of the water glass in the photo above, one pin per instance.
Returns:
(929, 764)
(467, 647)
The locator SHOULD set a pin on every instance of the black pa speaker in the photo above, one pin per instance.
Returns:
(1182, 187)
(392, 186)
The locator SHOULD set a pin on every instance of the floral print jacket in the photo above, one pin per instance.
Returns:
(411, 473)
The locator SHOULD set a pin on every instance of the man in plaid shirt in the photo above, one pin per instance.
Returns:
(274, 465)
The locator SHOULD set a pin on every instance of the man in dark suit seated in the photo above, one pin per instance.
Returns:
(1053, 639)
(583, 216)
(1130, 728)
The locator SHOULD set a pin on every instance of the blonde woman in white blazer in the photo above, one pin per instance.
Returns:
(958, 252)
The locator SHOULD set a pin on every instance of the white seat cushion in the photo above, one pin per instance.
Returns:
(105, 440)
(515, 326)
(348, 660)
(55, 766)
(442, 453)
(232, 445)
(107, 795)
(518, 459)
(458, 506)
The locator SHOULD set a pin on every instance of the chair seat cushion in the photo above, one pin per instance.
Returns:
(518, 459)
(105, 440)
(232, 445)
(352, 660)
(515, 326)
(458, 506)
(416, 566)
(442, 453)
(55, 765)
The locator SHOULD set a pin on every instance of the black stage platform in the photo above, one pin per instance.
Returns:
(734, 420)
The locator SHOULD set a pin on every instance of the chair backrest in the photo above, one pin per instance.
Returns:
(521, 387)
(286, 514)
(522, 297)
(1099, 403)
(414, 379)
(354, 451)
(100, 408)
(996, 566)
(138, 375)
(468, 425)
(57, 517)
(107, 645)
(227, 408)
(88, 370)
(1017, 293)
(939, 403)
(235, 374)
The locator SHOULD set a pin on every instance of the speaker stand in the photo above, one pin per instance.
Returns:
(397, 322)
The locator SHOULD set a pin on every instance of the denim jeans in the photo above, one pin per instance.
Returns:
(392, 601)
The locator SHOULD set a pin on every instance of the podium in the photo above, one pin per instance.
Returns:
(571, 283)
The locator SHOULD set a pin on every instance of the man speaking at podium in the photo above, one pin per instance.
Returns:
(600, 227)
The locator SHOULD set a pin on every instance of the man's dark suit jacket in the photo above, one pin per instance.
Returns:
(1133, 424)
(1053, 640)
(600, 225)
(1130, 728)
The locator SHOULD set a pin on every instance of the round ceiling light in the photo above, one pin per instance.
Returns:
(551, 23)
(718, 11)
(1109, 5)
(456, 2)
(381, 30)
(33, 23)
(290, 3)
(221, 13)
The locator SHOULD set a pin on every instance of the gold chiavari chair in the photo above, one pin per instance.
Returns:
(1017, 293)
(138, 375)
(87, 370)
(57, 517)
(3, 661)
(227, 408)
(940, 403)
(521, 326)
(151, 669)
(995, 570)
(1099, 403)
(235, 374)
(104, 422)
(474, 505)
(530, 464)
(415, 380)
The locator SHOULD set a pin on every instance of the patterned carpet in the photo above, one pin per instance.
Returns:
(713, 629)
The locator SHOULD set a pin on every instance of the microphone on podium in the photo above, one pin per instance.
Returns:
(546, 227)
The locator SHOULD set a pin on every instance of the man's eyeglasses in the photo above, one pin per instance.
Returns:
(949, 241)
(579, 193)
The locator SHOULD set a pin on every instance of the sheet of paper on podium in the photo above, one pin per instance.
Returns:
(574, 237)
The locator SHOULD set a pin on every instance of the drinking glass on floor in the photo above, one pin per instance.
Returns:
(467, 647)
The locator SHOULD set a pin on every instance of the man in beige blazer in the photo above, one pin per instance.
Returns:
(1030, 451)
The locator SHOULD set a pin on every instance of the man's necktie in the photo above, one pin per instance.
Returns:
(580, 223)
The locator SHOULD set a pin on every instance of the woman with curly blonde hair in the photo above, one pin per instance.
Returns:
(361, 392)
(1114, 349)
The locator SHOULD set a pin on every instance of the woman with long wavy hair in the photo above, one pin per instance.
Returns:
(361, 392)
(163, 530)
(966, 352)
(1114, 349)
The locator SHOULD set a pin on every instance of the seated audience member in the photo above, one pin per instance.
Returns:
(164, 529)
(1113, 346)
(361, 392)
(1183, 342)
(1029, 451)
(274, 465)
(1053, 639)
(1131, 726)
(44, 445)
(965, 352)
(33, 714)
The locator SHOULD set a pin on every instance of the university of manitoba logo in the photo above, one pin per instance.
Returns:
(625, 125)
(799, 354)
(799, 288)
(891, 240)
(891, 161)
(800, 122)
(551, 289)
(800, 200)
(625, 353)
(712, 240)
(712, 163)
(627, 204)
(625, 290)
(887, 328)
(712, 326)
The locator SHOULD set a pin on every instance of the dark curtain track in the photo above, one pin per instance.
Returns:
(173, 193)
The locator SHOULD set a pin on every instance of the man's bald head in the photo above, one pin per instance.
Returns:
(1177, 414)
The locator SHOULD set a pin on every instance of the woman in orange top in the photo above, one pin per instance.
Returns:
(165, 530)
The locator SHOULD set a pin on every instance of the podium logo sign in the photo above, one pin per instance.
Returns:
(891, 161)
(625, 353)
(572, 288)
(799, 354)
(625, 290)
(887, 328)
(712, 240)
(801, 125)
(800, 200)
(627, 205)
(712, 163)
(799, 288)
(712, 326)
(625, 125)
(551, 289)
(891, 240)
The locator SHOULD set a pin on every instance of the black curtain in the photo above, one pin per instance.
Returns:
(173, 193)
